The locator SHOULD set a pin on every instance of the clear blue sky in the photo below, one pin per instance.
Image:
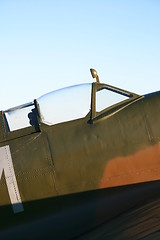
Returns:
(49, 44)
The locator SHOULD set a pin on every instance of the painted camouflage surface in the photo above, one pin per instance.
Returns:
(118, 148)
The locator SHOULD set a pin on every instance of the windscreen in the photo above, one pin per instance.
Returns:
(106, 98)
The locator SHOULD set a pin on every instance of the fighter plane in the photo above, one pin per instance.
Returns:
(82, 162)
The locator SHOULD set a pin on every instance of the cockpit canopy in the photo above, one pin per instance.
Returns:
(64, 105)
(55, 107)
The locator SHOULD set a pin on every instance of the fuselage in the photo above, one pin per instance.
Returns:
(75, 175)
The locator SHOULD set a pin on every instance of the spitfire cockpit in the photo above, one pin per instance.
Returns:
(55, 107)
(80, 146)
(68, 104)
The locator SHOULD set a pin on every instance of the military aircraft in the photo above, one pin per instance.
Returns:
(81, 162)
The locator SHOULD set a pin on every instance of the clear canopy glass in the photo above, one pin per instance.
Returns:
(18, 117)
(65, 104)
(106, 98)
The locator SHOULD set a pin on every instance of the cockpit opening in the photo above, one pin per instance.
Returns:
(65, 105)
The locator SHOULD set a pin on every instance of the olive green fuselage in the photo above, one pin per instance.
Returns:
(71, 175)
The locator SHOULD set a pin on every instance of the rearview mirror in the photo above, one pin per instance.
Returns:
(94, 74)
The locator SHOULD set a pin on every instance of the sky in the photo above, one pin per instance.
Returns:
(50, 44)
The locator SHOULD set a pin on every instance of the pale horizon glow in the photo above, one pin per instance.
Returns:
(47, 45)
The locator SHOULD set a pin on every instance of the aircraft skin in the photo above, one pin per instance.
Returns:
(75, 179)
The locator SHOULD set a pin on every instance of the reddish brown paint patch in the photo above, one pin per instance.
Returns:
(143, 166)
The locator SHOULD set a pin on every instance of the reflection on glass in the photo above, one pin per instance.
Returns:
(106, 98)
(18, 118)
(65, 104)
